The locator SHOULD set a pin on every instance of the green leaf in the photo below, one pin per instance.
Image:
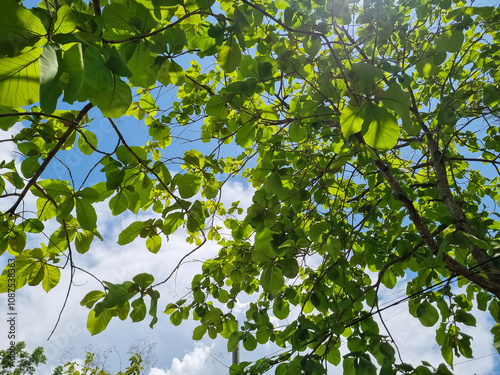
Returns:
(265, 70)
(139, 310)
(86, 215)
(83, 241)
(49, 77)
(382, 130)
(143, 280)
(351, 120)
(115, 62)
(176, 39)
(96, 74)
(51, 277)
(64, 208)
(215, 105)
(128, 19)
(229, 55)
(142, 65)
(97, 324)
(426, 67)
(153, 243)
(7, 122)
(427, 314)
(188, 184)
(249, 342)
(91, 298)
(87, 142)
(496, 337)
(450, 41)
(117, 295)
(172, 222)
(233, 340)
(399, 101)
(32, 226)
(131, 232)
(281, 308)
(273, 183)
(476, 241)
(20, 79)
(73, 66)
(289, 267)
(199, 332)
(442, 369)
(115, 100)
(349, 367)
(66, 20)
(245, 135)
(365, 75)
(297, 132)
(272, 280)
(312, 45)
(389, 279)
(119, 203)
(30, 166)
(333, 356)
(176, 318)
(19, 28)
(365, 366)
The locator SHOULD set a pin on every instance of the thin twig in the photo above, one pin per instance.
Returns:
(50, 156)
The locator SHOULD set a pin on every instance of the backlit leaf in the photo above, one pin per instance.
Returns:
(115, 100)
(229, 55)
(97, 324)
(49, 77)
(272, 278)
(96, 73)
(131, 232)
(188, 184)
(20, 79)
(351, 120)
(153, 243)
(382, 130)
(86, 215)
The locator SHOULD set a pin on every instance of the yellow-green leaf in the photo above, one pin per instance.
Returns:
(351, 120)
(97, 324)
(380, 128)
(20, 79)
(229, 55)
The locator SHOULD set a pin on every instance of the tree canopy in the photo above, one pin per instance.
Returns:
(17, 361)
(368, 131)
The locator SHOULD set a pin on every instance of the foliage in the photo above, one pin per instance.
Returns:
(72, 368)
(368, 131)
(17, 361)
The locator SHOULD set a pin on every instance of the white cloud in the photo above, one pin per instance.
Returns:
(193, 363)
(418, 343)
(157, 371)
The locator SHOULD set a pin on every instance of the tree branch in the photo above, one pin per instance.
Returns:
(423, 230)
(455, 210)
(120, 136)
(50, 156)
(143, 36)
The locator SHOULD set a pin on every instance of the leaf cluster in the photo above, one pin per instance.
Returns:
(367, 134)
